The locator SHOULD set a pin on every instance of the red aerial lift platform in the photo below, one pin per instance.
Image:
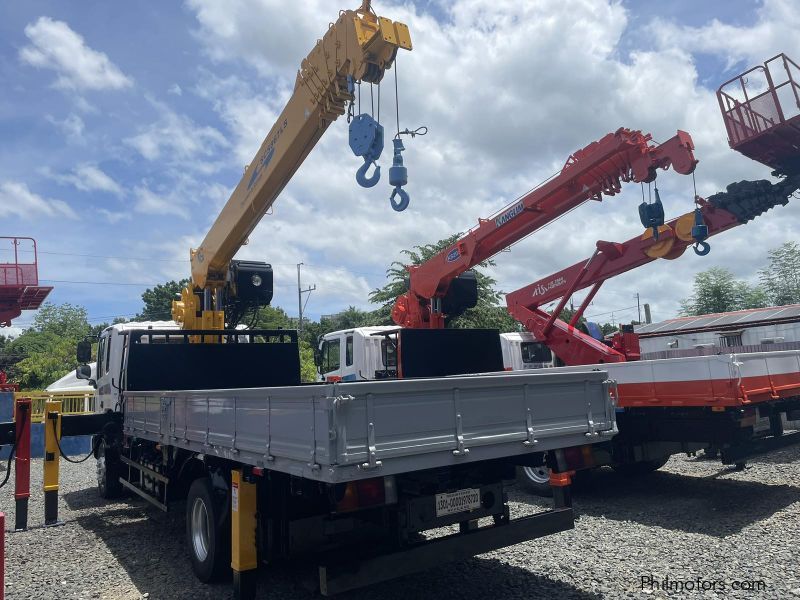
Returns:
(19, 278)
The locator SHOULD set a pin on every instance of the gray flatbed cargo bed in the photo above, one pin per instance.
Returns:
(335, 432)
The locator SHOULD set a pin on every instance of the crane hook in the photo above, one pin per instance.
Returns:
(700, 233)
(404, 199)
(398, 177)
(361, 175)
(701, 248)
(366, 141)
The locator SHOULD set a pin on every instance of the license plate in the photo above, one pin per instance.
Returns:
(456, 502)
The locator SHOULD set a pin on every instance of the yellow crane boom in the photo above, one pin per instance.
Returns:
(358, 47)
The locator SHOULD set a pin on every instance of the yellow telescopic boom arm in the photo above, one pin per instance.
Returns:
(360, 46)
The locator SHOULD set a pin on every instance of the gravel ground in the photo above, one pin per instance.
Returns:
(692, 519)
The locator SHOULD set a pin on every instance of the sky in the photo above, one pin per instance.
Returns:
(124, 127)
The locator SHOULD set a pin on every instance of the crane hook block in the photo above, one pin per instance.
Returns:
(652, 215)
(366, 141)
(398, 177)
(700, 233)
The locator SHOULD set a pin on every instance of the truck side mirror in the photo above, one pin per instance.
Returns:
(85, 372)
(84, 353)
(317, 357)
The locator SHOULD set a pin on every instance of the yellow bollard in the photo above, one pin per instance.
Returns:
(52, 435)
(244, 559)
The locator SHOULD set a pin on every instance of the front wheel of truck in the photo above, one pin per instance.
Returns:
(109, 469)
(208, 532)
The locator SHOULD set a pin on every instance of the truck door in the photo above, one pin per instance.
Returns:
(331, 367)
(106, 394)
(350, 368)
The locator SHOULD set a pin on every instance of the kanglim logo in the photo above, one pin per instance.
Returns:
(509, 214)
(453, 255)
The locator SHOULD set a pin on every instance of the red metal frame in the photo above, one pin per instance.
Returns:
(609, 260)
(19, 279)
(590, 173)
(764, 126)
(22, 461)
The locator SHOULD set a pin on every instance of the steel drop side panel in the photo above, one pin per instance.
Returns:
(723, 380)
(344, 431)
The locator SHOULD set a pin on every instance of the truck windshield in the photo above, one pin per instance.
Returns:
(389, 352)
(535, 352)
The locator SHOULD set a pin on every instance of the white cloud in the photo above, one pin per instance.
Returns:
(235, 30)
(178, 140)
(16, 200)
(114, 217)
(72, 127)
(175, 89)
(56, 47)
(90, 178)
(151, 203)
(509, 90)
(774, 31)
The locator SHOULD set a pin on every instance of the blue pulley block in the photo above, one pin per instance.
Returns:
(366, 141)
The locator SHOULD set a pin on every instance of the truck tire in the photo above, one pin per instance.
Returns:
(535, 480)
(643, 467)
(109, 470)
(208, 532)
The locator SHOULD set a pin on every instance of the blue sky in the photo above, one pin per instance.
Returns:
(125, 126)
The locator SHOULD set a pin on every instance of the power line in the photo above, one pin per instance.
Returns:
(126, 283)
(611, 312)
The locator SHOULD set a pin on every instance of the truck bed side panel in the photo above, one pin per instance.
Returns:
(343, 431)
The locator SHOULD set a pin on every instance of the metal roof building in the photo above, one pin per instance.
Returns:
(758, 326)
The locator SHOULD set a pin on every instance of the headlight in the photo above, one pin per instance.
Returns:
(256, 280)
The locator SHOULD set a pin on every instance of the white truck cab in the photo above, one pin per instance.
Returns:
(522, 351)
(365, 353)
(111, 346)
(358, 354)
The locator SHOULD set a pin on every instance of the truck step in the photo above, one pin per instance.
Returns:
(141, 493)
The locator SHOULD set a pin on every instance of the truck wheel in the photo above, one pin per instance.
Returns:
(637, 469)
(535, 480)
(109, 469)
(208, 532)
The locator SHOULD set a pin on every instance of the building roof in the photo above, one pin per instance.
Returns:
(738, 319)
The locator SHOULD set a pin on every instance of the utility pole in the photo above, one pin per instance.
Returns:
(300, 305)
(638, 307)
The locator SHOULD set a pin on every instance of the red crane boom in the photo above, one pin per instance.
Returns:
(742, 202)
(764, 127)
(590, 173)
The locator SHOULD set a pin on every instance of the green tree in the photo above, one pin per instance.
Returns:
(717, 290)
(347, 319)
(158, 301)
(48, 346)
(489, 312)
(781, 278)
(272, 317)
(308, 370)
